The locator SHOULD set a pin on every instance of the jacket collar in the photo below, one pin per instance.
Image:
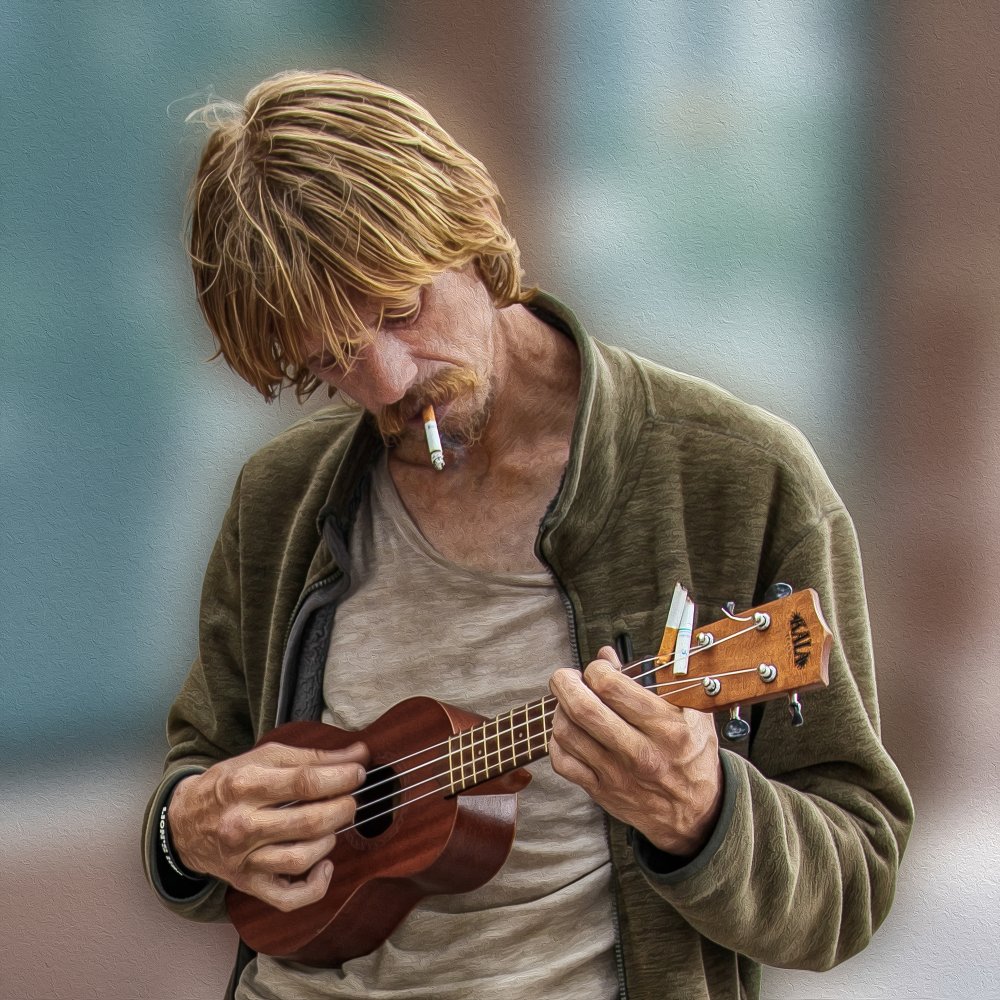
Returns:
(611, 410)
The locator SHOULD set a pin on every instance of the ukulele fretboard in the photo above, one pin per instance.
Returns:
(492, 748)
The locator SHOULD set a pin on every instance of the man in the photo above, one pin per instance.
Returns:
(340, 237)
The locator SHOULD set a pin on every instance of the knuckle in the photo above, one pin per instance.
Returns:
(291, 861)
(265, 888)
(597, 677)
(281, 899)
(304, 783)
(301, 894)
(560, 727)
(235, 828)
(560, 760)
(239, 783)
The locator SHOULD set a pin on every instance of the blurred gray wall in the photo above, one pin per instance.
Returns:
(798, 201)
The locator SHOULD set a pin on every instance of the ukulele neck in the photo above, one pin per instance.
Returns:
(499, 745)
(779, 648)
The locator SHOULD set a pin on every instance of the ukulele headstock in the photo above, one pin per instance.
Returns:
(782, 647)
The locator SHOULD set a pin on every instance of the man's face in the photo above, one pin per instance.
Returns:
(441, 353)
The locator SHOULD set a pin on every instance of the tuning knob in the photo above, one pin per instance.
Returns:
(795, 709)
(735, 728)
(777, 591)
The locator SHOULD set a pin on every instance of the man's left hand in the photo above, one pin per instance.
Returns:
(653, 765)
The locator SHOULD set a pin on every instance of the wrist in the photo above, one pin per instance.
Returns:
(690, 841)
(167, 837)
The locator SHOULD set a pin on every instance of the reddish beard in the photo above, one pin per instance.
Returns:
(446, 386)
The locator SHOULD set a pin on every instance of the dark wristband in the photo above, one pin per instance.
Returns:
(169, 854)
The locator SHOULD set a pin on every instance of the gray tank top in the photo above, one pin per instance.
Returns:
(542, 927)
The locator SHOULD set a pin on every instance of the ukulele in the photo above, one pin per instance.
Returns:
(437, 811)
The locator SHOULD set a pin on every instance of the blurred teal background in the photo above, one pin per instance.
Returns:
(119, 442)
(712, 199)
(772, 195)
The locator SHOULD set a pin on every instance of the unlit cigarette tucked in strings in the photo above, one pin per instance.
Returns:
(433, 438)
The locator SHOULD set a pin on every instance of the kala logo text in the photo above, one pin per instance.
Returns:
(801, 641)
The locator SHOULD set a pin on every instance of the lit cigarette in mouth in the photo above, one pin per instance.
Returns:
(433, 438)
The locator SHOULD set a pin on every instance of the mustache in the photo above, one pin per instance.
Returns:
(437, 389)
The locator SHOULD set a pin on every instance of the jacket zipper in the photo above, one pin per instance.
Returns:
(616, 921)
(303, 597)
(575, 647)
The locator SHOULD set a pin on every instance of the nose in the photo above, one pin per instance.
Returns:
(383, 374)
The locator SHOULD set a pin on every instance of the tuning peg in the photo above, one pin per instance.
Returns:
(795, 709)
(776, 591)
(735, 728)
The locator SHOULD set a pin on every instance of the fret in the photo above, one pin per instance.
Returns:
(509, 734)
(475, 751)
(466, 760)
(536, 730)
(524, 745)
(524, 742)
(498, 745)
(481, 754)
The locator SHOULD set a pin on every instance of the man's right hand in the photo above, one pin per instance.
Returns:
(265, 820)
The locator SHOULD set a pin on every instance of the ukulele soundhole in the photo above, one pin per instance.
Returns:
(378, 799)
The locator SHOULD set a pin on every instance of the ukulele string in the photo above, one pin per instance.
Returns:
(473, 744)
(446, 742)
(698, 681)
(437, 789)
(543, 718)
(548, 705)
(526, 721)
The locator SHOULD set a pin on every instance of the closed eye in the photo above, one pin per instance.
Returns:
(403, 316)
(324, 365)
(396, 319)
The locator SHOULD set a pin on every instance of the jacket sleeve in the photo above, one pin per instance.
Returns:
(208, 722)
(801, 868)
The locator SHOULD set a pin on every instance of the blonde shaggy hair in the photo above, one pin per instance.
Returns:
(324, 196)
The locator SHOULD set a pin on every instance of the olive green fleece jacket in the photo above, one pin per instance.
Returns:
(669, 479)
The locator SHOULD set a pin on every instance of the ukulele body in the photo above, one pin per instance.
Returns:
(442, 843)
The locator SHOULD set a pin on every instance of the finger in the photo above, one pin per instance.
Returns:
(290, 893)
(583, 706)
(274, 785)
(639, 707)
(301, 822)
(570, 767)
(283, 755)
(290, 858)
(610, 654)
(577, 742)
